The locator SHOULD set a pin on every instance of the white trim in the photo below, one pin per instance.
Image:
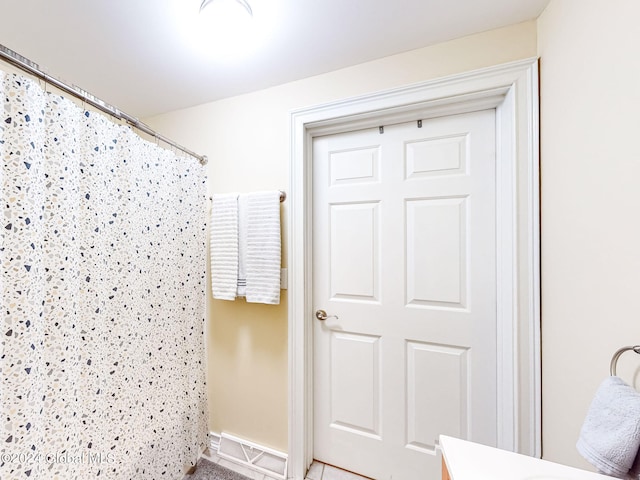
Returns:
(237, 453)
(505, 248)
(243, 464)
(513, 90)
(214, 442)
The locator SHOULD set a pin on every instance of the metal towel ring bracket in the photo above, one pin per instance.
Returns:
(614, 360)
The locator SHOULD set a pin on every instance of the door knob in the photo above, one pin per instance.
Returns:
(322, 315)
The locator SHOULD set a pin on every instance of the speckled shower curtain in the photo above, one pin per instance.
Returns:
(102, 290)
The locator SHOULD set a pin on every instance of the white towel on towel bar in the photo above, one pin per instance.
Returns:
(262, 259)
(224, 246)
(610, 435)
(243, 220)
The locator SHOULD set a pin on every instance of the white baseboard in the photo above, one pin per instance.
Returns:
(249, 455)
(214, 442)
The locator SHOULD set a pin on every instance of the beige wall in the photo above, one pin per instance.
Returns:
(590, 125)
(590, 166)
(247, 141)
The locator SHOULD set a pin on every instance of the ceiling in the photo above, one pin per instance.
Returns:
(153, 56)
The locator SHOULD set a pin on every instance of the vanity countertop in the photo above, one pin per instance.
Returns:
(472, 461)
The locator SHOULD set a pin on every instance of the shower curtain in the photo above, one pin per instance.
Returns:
(102, 290)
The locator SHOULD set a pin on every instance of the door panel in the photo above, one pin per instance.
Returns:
(354, 251)
(436, 156)
(434, 411)
(355, 383)
(404, 262)
(350, 167)
(436, 257)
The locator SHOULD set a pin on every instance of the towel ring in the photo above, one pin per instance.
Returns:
(614, 360)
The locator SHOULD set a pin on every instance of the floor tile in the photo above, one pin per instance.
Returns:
(333, 473)
(315, 471)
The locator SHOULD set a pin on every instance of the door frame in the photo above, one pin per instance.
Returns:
(512, 89)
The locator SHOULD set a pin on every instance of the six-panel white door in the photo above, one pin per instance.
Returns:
(404, 256)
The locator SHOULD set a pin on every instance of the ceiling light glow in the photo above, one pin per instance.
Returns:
(225, 31)
(243, 3)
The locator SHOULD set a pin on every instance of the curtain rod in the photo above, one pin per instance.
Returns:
(28, 66)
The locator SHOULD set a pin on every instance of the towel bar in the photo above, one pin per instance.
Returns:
(283, 196)
(614, 360)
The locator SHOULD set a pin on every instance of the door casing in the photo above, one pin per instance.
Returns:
(512, 89)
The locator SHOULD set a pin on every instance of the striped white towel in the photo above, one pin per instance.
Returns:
(243, 221)
(262, 261)
(224, 246)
